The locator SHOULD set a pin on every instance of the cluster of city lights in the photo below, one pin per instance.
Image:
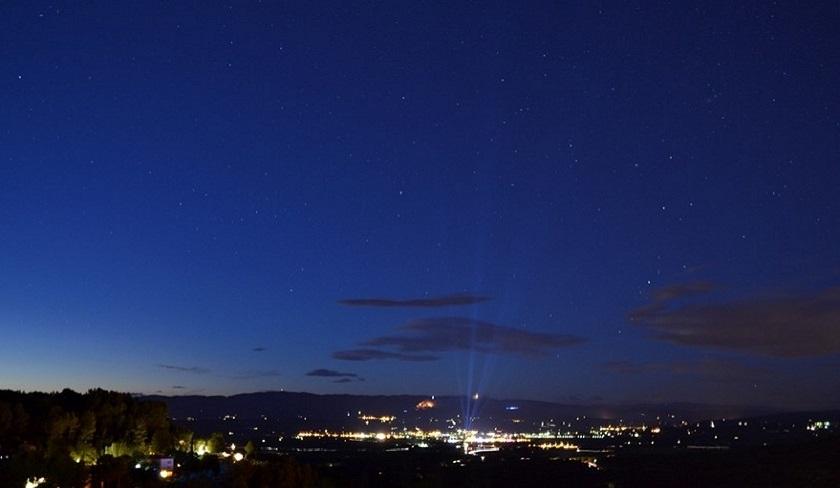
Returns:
(472, 441)
(35, 482)
(821, 425)
(385, 419)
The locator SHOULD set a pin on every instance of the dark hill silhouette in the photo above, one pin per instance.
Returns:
(298, 410)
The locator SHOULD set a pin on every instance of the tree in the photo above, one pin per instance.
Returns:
(83, 449)
(216, 442)
(250, 448)
(112, 471)
(183, 439)
(162, 441)
(62, 430)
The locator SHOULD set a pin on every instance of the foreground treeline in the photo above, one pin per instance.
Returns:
(71, 437)
(83, 426)
(106, 439)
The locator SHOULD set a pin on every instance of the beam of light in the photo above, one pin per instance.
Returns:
(476, 384)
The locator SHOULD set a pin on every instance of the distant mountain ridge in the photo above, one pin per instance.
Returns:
(299, 410)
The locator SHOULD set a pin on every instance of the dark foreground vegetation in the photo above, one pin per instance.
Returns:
(811, 464)
(105, 439)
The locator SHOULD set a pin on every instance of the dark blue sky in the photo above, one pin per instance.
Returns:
(590, 201)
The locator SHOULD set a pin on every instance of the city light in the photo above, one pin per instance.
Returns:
(35, 482)
(383, 418)
(470, 441)
(201, 449)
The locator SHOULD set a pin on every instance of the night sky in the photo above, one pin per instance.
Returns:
(582, 202)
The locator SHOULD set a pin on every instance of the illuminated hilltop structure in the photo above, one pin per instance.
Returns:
(426, 404)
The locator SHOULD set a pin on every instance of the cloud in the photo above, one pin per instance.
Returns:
(681, 290)
(712, 368)
(258, 349)
(331, 373)
(661, 297)
(369, 354)
(184, 369)
(344, 380)
(434, 335)
(257, 373)
(459, 333)
(179, 387)
(428, 302)
(783, 326)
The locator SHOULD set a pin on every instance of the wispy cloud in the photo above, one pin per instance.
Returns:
(806, 324)
(184, 369)
(435, 335)
(331, 373)
(258, 349)
(425, 302)
(369, 354)
(257, 373)
(179, 387)
(678, 291)
(459, 333)
(709, 368)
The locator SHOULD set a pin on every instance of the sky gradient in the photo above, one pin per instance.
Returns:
(578, 202)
